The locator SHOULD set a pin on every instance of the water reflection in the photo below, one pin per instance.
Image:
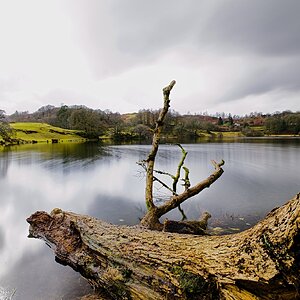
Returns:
(116, 210)
(105, 182)
(4, 163)
(39, 277)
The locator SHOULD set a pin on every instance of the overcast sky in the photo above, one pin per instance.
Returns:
(226, 55)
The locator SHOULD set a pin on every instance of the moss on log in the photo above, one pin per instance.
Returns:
(135, 263)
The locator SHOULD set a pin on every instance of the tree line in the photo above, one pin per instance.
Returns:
(6, 132)
(92, 123)
(281, 123)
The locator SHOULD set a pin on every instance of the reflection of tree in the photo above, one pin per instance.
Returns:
(4, 163)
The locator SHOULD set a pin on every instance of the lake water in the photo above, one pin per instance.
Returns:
(106, 182)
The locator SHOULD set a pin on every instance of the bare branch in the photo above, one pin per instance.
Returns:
(175, 201)
(186, 185)
(164, 173)
(164, 185)
(155, 143)
(218, 165)
(177, 176)
(151, 219)
(183, 215)
(186, 178)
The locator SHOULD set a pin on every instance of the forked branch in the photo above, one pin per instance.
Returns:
(151, 219)
(176, 200)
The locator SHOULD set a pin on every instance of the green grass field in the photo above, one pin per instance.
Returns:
(42, 132)
(229, 134)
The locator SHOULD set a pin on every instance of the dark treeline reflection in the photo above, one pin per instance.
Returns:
(105, 182)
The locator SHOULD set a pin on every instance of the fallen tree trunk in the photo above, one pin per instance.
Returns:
(134, 263)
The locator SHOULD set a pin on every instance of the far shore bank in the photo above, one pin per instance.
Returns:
(164, 139)
(43, 133)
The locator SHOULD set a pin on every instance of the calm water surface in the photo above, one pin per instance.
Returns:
(106, 182)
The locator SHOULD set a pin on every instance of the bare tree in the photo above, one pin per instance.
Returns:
(151, 218)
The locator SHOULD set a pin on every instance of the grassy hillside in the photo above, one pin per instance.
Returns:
(42, 132)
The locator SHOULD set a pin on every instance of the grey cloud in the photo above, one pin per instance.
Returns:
(136, 32)
(150, 27)
(283, 75)
(265, 27)
(140, 32)
(118, 36)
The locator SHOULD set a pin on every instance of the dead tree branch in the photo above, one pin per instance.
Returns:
(155, 143)
(151, 219)
(177, 176)
(192, 191)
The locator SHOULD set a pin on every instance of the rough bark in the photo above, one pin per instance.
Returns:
(155, 143)
(134, 263)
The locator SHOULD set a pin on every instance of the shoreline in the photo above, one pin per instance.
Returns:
(163, 140)
(43, 133)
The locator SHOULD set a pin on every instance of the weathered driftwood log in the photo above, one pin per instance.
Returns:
(134, 263)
